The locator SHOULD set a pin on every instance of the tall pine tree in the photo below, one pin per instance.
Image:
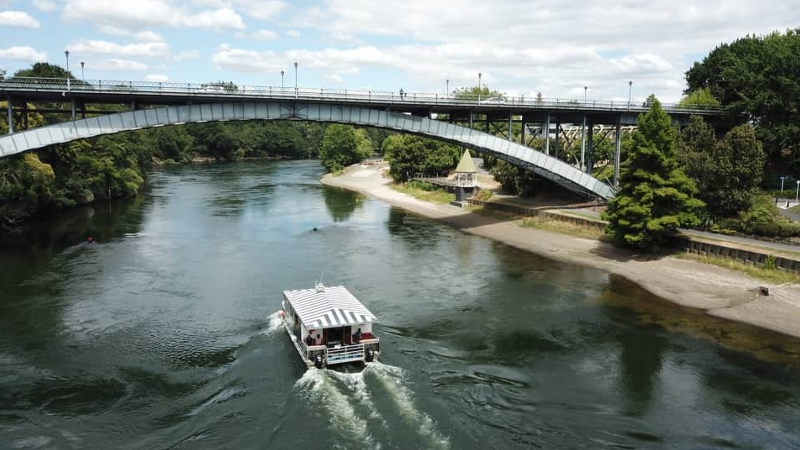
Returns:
(655, 197)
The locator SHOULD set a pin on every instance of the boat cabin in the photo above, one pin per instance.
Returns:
(328, 325)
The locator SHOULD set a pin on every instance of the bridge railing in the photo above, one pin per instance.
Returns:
(220, 90)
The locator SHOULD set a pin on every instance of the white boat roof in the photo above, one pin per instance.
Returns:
(328, 307)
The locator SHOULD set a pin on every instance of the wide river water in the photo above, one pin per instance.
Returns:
(161, 335)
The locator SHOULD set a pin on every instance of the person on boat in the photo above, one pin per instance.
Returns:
(357, 336)
(309, 340)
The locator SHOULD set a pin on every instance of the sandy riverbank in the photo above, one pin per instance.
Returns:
(719, 292)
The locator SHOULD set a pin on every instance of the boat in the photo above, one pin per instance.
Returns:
(328, 326)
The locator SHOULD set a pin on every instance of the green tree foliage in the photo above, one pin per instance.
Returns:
(699, 97)
(343, 145)
(44, 70)
(655, 197)
(757, 77)
(409, 155)
(727, 173)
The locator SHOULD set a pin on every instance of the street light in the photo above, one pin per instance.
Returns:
(630, 87)
(66, 53)
(585, 88)
(479, 86)
(447, 88)
(281, 81)
(83, 78)
(295, 79)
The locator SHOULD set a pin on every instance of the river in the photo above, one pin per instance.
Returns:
(160, 334)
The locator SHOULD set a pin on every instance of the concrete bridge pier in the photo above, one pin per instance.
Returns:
(547, 134)
(10, 117)
(618, 148)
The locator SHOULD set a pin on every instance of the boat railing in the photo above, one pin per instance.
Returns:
(346, 353)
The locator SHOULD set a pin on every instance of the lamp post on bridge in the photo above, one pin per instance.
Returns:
(630, 87)
(281, 81)
(66, 53)
(83, 78)
(447, 88)
(479, 86)
(585, 89)
(295, 79)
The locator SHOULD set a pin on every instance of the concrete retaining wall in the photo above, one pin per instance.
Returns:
(687, 244)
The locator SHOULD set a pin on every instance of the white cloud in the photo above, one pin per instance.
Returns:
(217, 19)
(147, 49)
(228, 58)
(23, 54)
(260, 9)
(265, 35)
(148, 36)
(293, 33)
(553, 47)
(18, 19)
(123, 65)
(156, 77)
(45, 5)
(122, 14)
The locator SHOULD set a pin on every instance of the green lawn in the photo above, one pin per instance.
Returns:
(423, 191)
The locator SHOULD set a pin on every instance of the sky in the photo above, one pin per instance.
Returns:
(519, 47)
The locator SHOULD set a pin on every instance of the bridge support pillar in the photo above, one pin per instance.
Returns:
(470, 120)
(583, 144)
(522, 133)
(509, 128)
(558, 133)
(589, 147)
(73, 109)
(10, 117)
(617, 151)
(547, 135)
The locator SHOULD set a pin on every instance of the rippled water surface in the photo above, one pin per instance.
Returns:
(160, 334)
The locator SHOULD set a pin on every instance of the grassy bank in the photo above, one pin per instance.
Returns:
(425, 192)
(762, 273)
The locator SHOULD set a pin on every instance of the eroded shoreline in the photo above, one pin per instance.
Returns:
(719, 292)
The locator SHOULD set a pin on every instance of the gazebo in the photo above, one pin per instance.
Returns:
(466, 178)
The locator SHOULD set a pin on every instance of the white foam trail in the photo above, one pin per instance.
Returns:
(275, 323)
(391, 378)
(319, 387)
(220, 397)
(358, 386)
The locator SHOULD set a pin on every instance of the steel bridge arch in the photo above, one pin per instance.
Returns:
(517, 154)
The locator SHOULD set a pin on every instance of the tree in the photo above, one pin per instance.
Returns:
(409, 155)
(342, 146)
(44, 70)
(655, 197)
(727, 173)
(699, 97)
(755, 78)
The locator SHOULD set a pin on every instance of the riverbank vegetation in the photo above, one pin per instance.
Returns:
(425, 191)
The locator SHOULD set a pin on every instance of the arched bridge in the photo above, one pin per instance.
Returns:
(156, 104)
(544, 165)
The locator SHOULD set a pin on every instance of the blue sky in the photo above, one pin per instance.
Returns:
(552, 47)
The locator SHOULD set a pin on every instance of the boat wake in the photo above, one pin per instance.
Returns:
(348, 400)
(319, 388)
(274, 324)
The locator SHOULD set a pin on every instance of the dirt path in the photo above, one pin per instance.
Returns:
(720, 292)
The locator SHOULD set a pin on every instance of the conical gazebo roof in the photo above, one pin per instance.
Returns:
(466, 165)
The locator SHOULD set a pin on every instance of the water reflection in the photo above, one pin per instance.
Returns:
(341, 203)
